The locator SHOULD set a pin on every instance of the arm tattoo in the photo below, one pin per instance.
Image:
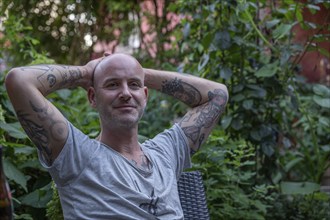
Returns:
(39, 133)
(56, 75)
(69, 76)
(206, 116)
(182, 91)
(51, 80)
(45, 114)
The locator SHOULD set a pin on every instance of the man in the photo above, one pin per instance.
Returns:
(114, 176)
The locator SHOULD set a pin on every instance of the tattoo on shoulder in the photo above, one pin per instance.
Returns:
(182, 91)
(205, 116)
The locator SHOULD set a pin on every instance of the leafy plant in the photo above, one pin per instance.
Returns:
(276, 127)
(229, 169)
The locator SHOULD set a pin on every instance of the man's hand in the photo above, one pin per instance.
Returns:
(90, 69)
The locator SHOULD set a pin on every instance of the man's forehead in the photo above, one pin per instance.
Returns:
(118, 64)
(119, 60)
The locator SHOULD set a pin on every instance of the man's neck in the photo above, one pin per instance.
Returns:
(123, 140)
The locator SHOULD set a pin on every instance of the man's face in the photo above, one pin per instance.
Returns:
(119, 92)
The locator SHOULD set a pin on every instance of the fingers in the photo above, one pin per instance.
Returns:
(107, 53)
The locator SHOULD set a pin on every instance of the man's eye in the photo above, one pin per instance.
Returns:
(135, 85)
(111, 85)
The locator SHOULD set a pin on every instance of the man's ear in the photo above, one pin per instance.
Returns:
(146, 92)
(91, 97)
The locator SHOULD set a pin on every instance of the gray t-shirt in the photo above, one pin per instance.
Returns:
(96, 182)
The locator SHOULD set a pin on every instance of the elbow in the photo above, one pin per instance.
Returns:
(12, 79)
(221, 96)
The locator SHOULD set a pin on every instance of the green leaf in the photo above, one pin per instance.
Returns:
(186, 30)
(326, 148)
(256, 91)
(313, 8)
(14, 174)
(34, 41)
(324, 121)
(206, 41)
(205, 59)
(255, 135)
(26, 150)
(238, 98)
(286, 142)
(323, 102)
(299, 187)
(247, 104)
(268, 148)
(292, 163)
(324, 52)
(282, 30)
(38, 198)
(321, 90)
(272, 23)
(222, 40)
(277, 177)
(13, 129)
(236, 124)
(299, 16)
(268, 70)
(294, 101)
(225, 73)
(225, 122)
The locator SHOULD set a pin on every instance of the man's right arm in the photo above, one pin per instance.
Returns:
(27, 88)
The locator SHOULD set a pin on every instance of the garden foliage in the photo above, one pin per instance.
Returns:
(267, 156)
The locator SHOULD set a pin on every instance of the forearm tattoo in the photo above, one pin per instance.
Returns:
(40, 134)
(58, 76)
(182, 91)
(205, 116)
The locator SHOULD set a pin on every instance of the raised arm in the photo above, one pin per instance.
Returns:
(27, 88)
(206, 98)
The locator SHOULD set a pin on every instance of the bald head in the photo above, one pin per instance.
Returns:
(117, 62)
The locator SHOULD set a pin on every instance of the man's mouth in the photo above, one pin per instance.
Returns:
(125, 107)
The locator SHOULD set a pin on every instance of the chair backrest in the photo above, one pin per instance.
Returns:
(192, 196)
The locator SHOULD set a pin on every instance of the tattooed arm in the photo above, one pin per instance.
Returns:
(42, 121)
(206, 98)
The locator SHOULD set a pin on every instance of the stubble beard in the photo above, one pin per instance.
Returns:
(125, 121)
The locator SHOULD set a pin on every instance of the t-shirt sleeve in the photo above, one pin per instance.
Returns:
(71, 161)
(172, 144)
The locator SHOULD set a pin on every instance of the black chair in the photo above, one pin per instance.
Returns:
(192, 196)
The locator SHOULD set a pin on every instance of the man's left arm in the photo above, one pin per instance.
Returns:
(206, 98)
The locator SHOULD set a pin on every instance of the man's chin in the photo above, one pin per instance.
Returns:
(126, 122)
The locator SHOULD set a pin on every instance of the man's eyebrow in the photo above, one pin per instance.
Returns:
(109, 79)
(135, 79)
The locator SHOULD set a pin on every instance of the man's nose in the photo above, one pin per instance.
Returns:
(125, 93)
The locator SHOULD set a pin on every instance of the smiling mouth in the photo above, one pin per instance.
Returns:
(125, 107)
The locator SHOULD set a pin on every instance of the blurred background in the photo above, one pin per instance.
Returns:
(269, 156)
